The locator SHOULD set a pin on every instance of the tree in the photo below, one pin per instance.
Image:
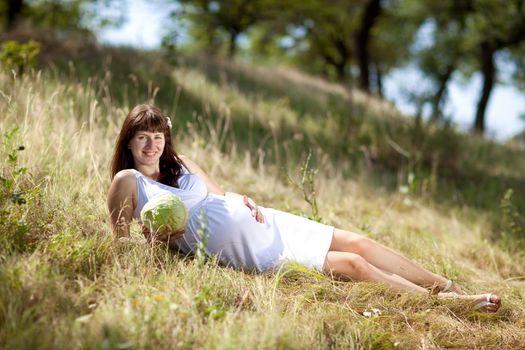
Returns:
(10, 13)
(445, 26)
(390, 42)
(327, 32)
(209, 19)
(368, 35)
(467, 36)
(14, 9)
(499, 25)
(60, 14)
(372, 11)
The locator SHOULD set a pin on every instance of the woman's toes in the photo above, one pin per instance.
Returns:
(496, 300)
(494, 303)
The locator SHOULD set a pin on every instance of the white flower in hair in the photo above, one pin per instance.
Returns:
(168, 120)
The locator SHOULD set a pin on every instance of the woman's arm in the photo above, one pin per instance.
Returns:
(120, 203)
(213, 187)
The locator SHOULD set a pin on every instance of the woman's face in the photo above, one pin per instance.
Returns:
(147, 147)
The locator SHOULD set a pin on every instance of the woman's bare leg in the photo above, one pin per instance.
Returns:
(352, 266)
(385, 258)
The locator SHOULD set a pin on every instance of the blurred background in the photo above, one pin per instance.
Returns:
(448, 61)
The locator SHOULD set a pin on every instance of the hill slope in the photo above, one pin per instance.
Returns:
(429, 192)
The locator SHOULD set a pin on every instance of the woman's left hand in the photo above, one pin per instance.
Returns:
(256, 212)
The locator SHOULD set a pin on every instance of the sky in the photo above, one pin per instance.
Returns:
(144, 29)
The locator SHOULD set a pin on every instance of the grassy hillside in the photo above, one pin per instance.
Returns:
(439, 197)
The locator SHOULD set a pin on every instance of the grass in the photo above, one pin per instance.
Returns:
(64, 283)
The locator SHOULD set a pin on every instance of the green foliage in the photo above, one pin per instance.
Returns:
(73, 254)
(467, 36)
(19, 57)
(27, 217)
(56, 13)
(208, 304)
(15, 196)
(307, 186)
(67, 15)
(509, 227)
(215, 24)
(322, 36)
(447, 48)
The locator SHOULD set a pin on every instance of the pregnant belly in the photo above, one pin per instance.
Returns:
(234, 235)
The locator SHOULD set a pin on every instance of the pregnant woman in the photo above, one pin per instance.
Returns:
(242, 234)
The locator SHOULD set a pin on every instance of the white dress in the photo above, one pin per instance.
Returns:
(234, 234)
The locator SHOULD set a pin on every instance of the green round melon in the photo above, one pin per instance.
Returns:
(164, 214)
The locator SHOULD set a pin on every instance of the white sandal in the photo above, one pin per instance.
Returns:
(436, 289)
(448, 286)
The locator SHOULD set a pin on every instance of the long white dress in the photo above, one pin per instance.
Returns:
(234, 234)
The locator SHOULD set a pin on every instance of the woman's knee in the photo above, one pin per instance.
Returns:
(346, 241)
(348, 266)
(359, 266)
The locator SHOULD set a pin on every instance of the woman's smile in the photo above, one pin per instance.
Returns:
(147, 147)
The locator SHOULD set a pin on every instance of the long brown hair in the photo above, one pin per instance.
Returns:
(147, 118)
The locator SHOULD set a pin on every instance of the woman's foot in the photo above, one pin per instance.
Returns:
(488, 303)
(480, 302)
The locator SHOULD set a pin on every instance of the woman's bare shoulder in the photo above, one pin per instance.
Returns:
(124, 176)
(124, 183)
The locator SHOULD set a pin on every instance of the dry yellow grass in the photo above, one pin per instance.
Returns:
(76, 288)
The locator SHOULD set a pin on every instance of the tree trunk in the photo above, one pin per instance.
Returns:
(488, 70)
(340, 69)
(232, 48)
(14, 8)
(379, 81)
(344, 57)
(443, 80)
(372, 12)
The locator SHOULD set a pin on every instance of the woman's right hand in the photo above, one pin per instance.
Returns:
(165, 237)
(171, 236)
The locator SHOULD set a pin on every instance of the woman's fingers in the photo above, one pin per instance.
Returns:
(146, 232)
(246, 201)
(166, 237)
(256, 212)
(259, 216)
(178, 234)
